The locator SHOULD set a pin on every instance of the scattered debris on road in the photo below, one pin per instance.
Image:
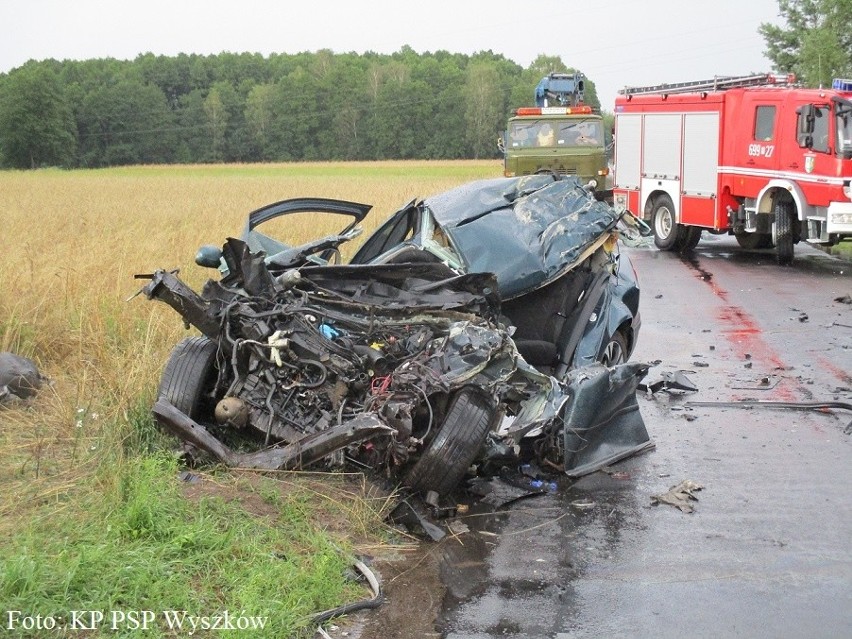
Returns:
(679, 496)
(671, 381)
(374, 602)
(757, 403)
(583, 504)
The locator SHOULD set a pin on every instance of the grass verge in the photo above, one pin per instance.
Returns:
(131, 544)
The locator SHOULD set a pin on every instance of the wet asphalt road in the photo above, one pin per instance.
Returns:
(766, 553)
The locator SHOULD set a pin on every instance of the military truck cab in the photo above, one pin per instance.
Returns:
(566, 138)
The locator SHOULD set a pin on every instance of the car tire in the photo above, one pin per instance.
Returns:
(783, 232)
(615, 351)
(456, 444)
(752, 241)
(664, 224)
(189, 376)
(688, 237)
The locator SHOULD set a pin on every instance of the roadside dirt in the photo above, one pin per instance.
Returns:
(413, 595)
(409, 573)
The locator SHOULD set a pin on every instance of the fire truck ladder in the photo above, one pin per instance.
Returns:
(718, 83)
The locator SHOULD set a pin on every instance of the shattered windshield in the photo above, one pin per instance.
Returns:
(555, 133)
(436, 241)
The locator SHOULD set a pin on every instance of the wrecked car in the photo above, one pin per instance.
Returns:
(474, 328)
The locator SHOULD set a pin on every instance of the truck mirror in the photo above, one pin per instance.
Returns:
(501, 146)
(805, 125)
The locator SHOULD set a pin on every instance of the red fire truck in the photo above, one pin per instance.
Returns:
(752, 156)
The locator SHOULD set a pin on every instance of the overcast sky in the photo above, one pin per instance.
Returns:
(616, 43)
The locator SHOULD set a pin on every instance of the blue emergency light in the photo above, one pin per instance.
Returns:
(842, 85)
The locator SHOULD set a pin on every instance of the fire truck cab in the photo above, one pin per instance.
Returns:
(751, 156)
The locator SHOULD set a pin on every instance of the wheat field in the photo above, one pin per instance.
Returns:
(72, 242)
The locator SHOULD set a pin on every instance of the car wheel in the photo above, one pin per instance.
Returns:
(752, 241)
(456, 444)
(189, 376)
(664, 224)
(615, 352)
(783, 232)
(688, 237)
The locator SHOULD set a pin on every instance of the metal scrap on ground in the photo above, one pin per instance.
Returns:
(680, 496)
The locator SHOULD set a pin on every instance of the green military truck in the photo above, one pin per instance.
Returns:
(559, 134)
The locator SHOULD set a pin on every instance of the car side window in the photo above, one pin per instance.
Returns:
(401, 227)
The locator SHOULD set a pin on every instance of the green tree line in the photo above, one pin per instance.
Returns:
(815, 42)
(248, 107)
(244, 107)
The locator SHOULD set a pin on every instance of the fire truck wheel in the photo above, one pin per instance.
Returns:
(664, 224)
(688, 237)
(753, 241)
(783, 232)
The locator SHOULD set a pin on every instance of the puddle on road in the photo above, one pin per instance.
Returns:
(514, 571)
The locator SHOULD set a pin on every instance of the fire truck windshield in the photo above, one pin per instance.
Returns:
(843, 111)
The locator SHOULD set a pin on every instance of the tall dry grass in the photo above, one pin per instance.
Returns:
(72, 241)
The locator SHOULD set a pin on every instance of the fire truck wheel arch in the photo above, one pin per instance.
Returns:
(767, 196)
(651, 200)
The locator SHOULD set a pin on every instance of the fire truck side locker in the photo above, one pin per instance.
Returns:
(661, 165)
(700, 186)
(628, 152)
(673, 155)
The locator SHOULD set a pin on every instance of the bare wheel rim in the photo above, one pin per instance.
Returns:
(613, 353)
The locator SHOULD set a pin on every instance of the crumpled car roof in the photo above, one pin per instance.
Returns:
(528, 231)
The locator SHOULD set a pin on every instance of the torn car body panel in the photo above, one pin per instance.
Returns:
(600, 398)
(410, 365)
(299, 454)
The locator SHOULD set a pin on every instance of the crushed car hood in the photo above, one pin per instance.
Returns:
(527, 231)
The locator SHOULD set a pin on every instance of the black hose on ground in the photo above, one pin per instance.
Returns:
(366, 604)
